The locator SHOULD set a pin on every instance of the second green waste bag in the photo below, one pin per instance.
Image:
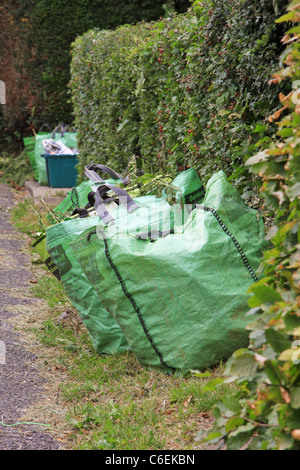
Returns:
(179, 295)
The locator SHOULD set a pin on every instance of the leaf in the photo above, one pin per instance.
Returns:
(199, 435)
(264, 295)
(286, 132)
(256, 443)
(240, 437)
(284, 441)
(199, 374)
(293, 419)
(260, 128)
(232, 423)
(294, 191)
(232, 404)
(295, 397)
(273, 372)
(262, 282)
(277, 113)
(253, 311)
(273, 416)
(212, 436)
(296, 434)
(291, 16)
(293, 5)
(285, 395)
(271, 232)
(292, 321)
(258, 158)
(223, 112)
(241, 364)
(283, 231)
(286, 355)
(212, 384)
(258, 338)
(280, 196)
(278, 341)
(260, 359)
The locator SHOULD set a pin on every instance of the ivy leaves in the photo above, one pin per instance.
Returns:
(268, 372)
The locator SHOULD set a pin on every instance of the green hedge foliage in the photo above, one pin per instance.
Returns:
(35, 40)
(56, 24)
(188, 90)
(265, 412)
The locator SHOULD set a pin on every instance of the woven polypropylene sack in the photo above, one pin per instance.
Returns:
(29, 144)
(152, 212)
(181, 299)
(189, 187)
(104, 330)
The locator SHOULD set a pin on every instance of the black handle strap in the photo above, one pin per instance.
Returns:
(123, 197)
(45, 126)
(92, 169)
(153, 235)
(62, 129)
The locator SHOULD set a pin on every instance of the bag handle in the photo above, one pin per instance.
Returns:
(68, 128)
(103, 193)
(45, 125)
(62, 130)
(154, 234)
(124, 198)
(91, 173)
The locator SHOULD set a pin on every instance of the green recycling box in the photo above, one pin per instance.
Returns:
(61, 170)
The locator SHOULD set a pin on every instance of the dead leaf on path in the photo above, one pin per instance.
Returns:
(186, 402)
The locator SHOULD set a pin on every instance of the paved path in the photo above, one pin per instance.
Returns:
(20, 382)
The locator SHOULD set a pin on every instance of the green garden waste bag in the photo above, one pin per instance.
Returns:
(188, 186)
(105, 332)
(178, 292)
(69, 138)
(29, 144)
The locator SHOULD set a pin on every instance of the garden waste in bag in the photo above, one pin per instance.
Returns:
(177, 290)
(82, 196)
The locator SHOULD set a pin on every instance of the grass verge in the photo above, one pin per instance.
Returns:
(112, 402)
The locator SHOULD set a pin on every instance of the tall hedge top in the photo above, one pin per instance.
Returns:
(188, 90)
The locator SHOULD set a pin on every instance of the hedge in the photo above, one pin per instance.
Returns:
(264, 414)
(35, 40)
(188, 90)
